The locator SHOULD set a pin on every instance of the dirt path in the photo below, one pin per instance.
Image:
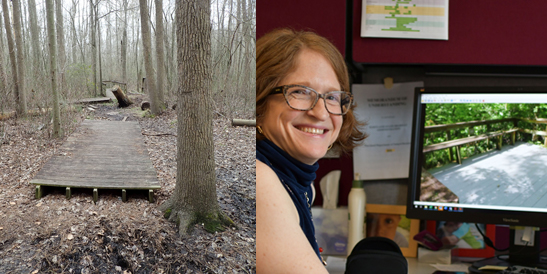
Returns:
(55, 235)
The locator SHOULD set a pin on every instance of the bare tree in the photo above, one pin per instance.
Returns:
(155, 105)
(98, 26)
(124, 43)
(53, 67)
(35, 38)
(20, 57)
(92, 26)
(160, 49)
(3, 88)
(194, 198)
(11, 49)
(61, 55)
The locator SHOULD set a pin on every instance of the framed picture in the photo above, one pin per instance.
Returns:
(464, 237)
(390, 221)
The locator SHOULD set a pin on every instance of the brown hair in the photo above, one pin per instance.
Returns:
(275, 59)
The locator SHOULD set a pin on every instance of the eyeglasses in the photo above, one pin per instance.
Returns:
(304, 98)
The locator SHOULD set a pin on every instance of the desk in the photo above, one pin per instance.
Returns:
(414, 267)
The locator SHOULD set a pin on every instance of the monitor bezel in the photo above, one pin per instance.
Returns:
(472, 215)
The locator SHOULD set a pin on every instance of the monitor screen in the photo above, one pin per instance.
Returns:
(479, 155)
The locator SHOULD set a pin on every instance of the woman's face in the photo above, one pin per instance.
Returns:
(305, 135)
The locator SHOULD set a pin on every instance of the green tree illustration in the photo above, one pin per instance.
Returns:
(401, 21)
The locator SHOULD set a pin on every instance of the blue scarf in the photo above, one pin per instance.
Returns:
(297, 178)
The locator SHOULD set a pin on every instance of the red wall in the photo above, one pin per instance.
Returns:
(345, 164)
(325, 17)
(488, 32)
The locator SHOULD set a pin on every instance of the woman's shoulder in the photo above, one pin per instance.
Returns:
(267, 181)
(281, 245)
(263, 169)
(269, 188)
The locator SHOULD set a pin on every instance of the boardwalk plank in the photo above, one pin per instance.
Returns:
(514, 176)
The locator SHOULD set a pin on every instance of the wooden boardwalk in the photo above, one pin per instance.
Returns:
(101, 155)
(513, 176)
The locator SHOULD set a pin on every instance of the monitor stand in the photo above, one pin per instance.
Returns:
(519, 254)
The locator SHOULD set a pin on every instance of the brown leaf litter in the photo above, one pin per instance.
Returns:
(55, 235)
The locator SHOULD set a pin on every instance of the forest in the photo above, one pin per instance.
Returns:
(101, 40)
(447, 114)
(187, 69)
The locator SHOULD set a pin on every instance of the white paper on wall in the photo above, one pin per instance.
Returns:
(385, 154)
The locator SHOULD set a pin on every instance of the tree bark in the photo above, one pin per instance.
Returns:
(35, 38)
(57, 133)
(98, 27)
(194, 199)
(20, 57)
(3, 79)
(155, 104)
(11, 48)
(92, 26)
(124, 44)
(160, 50)
(61, 52)
(74, 34)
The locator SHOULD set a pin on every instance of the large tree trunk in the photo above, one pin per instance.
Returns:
(53, 67)
(155, 104)
(20, 57)
(11, 48)
(194, 199)
(160, 49)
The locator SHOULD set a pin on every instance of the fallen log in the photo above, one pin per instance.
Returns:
(145, 105)
(243, 122)
(93, 100)
(31, 112)
(123, 101)
(7, 115)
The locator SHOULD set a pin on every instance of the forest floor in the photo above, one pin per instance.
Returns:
(56, 235)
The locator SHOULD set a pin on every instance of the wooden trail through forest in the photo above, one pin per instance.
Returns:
(101, 155)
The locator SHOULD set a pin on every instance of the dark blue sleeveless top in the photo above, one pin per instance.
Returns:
(296, 177)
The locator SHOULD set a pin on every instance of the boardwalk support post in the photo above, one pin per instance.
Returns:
(459, 155)
(68, 193)
(38, 192)
(499, 143)
(124, 195)
(151, 195)
(95, 195)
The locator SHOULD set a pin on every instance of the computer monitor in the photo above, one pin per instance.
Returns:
(479, 155)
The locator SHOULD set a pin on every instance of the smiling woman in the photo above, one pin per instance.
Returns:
(303, 108)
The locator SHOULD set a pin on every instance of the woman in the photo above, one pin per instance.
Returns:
(303, 108)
